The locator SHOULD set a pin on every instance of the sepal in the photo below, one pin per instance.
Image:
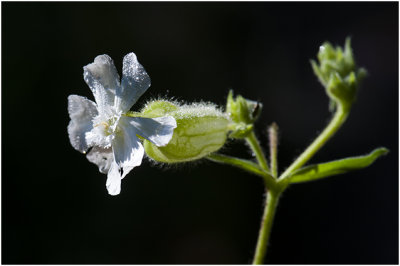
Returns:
(201, 129)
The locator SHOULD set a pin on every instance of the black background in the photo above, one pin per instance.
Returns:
(55, 207)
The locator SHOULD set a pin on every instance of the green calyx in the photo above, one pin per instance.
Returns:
(201, 130)
(243, 113)
(338, 73)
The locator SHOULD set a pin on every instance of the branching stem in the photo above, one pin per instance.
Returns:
(338, 119)
(275, 186)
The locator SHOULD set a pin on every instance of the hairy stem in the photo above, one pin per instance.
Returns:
(271, 202)
(258, 152)
(273, 149)
(338, 119)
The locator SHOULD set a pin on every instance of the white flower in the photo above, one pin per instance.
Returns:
(103, 124)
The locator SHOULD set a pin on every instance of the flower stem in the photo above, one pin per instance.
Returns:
(271, 202)
(256, 148)
(338, 119)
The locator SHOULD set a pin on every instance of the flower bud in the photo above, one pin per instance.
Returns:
(243, 114)
(338, 73)
(201, 129)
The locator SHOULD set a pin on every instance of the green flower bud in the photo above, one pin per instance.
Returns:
(201, 129)
(338, 73)
(243, 114)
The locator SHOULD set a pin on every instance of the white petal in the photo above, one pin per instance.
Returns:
(102, 78)
(103, 158)
(135, 82)
(127, 149)
(81, 111)
(157, 130)
(113, 183)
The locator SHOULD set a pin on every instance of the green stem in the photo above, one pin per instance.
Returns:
(271, 202)
(245, 165)
(273, 149)
(256, 148)
(338, 119)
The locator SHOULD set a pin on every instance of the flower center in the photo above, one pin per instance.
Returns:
(107, 127)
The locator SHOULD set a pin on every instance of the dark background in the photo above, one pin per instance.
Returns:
(55, 207)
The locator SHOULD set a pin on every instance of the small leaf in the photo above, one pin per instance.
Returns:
(318, 171)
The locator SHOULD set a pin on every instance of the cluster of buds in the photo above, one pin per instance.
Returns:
(338, 73)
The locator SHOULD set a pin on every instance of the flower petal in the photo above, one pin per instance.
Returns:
(113, 183)
(127, 149)
(102, 78)
(135, 81)
(157, 130)
(81, 111)
(103, 158)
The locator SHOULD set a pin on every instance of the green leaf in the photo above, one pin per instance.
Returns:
(318, 171)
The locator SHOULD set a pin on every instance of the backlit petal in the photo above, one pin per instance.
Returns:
(127, 149)
(157, 130)
(103, 158)
(102, 78)
(135, 82)
(81, 111)
(113, 183)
